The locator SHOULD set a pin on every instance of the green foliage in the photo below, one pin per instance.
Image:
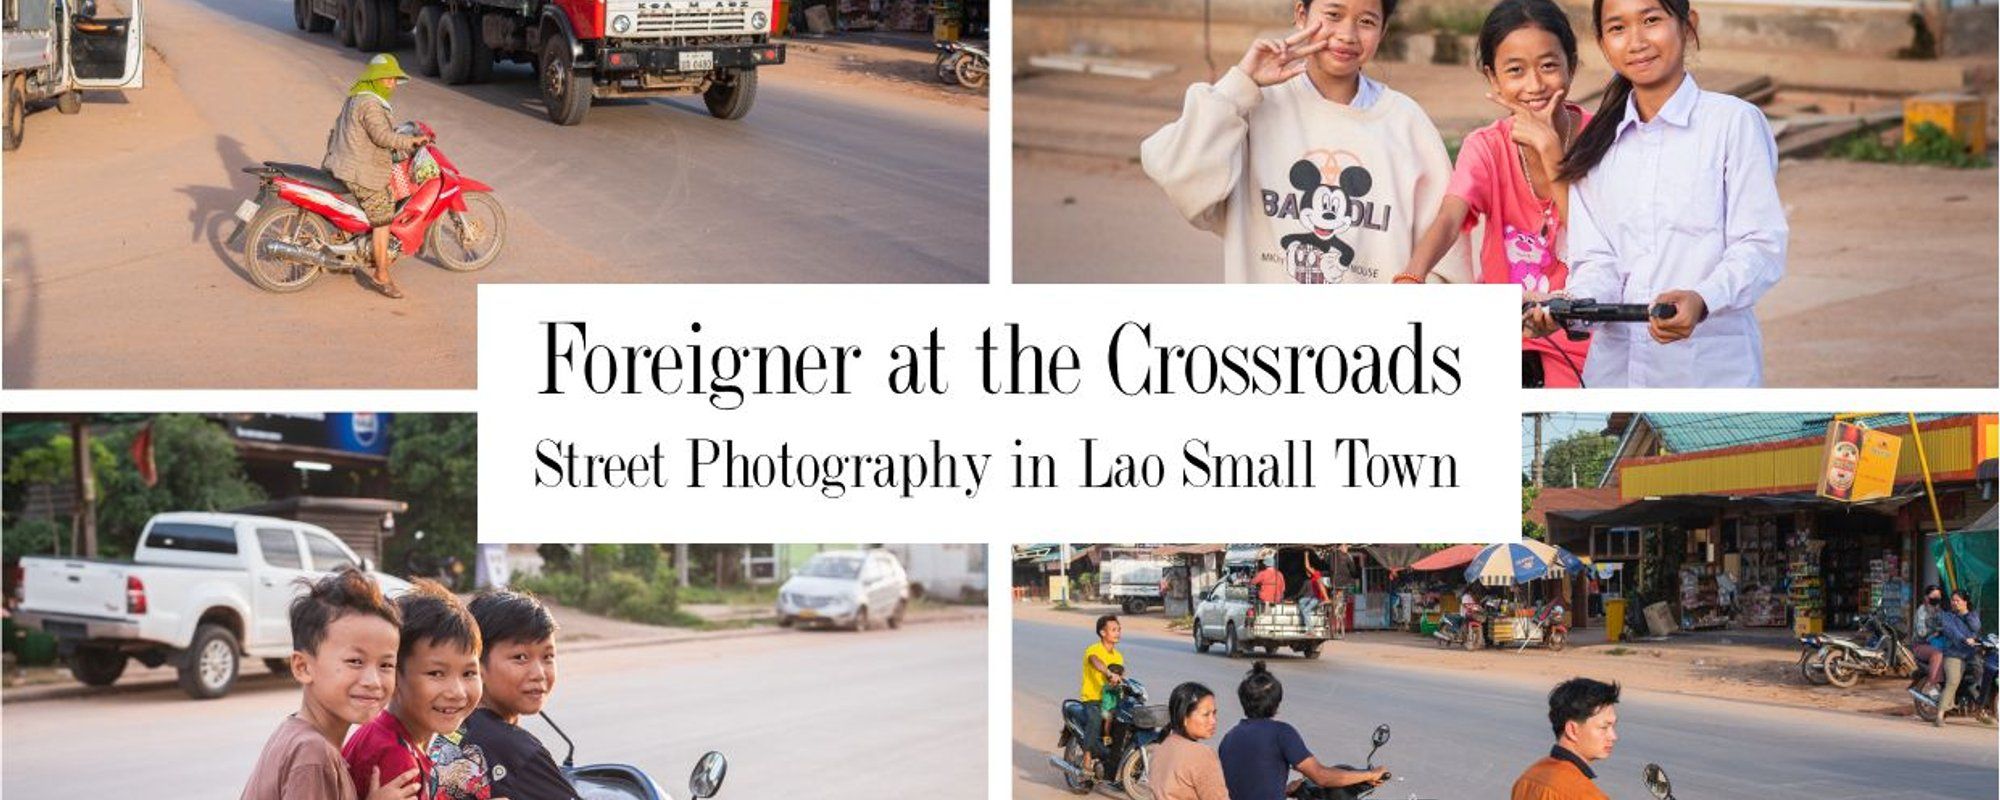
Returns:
(1932, 145)
(434, 466)
(650, 597)
(31, 537)
(1577, 460)
(1530, 530)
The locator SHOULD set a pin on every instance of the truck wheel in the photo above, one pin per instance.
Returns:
(371, 31)
(731, 99)
(69, 102)
(1312, 650)
(482, 55)
(1229, 643)
(426, 37)
(97, 666)
(565, 87)
(1200, 644)
(343, 25)
(454, 47)
(316, 23)
(17, 111)
(302, 13)
(209, 668)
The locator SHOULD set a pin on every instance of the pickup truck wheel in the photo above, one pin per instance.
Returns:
(343, 25)
(17, 110)
(210, 666)
(565, 87)
(426, 37)
(1229, 643)
(302, 13)
(97, 666)
(731, 99)
(69, 102)
(1200, 644)
(1312, 650)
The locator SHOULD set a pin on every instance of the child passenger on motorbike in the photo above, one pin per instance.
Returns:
(358, 152)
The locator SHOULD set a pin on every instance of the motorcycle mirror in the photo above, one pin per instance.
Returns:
(708, 775)
(1657, 783)
(1381, 735)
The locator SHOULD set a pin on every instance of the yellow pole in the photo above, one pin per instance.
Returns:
(1930, 493)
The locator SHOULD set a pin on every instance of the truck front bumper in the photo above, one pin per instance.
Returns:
(615, 58)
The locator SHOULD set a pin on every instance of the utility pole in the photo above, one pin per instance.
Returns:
(86, 488)
(1535, 468)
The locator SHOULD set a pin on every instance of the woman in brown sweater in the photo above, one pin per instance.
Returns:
(1183, 767)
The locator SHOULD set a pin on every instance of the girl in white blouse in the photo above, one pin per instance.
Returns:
(1673, 199)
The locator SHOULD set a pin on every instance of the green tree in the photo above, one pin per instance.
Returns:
(434, 466)
(1530, 530)
(1577, 459)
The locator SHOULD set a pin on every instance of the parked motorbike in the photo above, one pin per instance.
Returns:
(1812, 658)
(1548, 626)
(1467, 628)
(1884, 654)
(1136, 727)
(304, 222)
(1657, 783)
(1307, 790)
(626, 782)
(1973, 697)
(961, 63)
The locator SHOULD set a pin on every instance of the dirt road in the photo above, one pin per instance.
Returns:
(116, 276)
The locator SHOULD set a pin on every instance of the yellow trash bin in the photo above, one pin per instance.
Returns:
(1614, 619)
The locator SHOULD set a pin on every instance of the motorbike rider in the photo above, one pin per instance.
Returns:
(1586, 728)
(1260, 753)
(1961, 654)
(1926, 636)
(1098, 659)
(359, 149)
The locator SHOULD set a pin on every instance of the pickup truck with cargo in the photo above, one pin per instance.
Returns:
(53, 50)
(1230, 614)
(580, 49)
(201, 592)
(1132, 583)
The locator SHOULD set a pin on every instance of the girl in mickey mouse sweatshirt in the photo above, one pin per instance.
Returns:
(1309, 170)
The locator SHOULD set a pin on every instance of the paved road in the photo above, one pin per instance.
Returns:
(1467, 735)
(116, 276)
(880, 714)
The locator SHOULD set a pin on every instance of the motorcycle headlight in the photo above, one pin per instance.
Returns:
(621, 24)
(759, 21)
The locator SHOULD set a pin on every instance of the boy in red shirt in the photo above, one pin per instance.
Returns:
(437, 686)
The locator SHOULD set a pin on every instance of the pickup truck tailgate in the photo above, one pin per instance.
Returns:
(61, 586)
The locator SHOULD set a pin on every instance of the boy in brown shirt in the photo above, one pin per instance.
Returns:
(344, 637)
(1586, 728)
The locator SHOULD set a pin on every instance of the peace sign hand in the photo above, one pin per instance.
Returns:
(1272, 61)
(1536, 130)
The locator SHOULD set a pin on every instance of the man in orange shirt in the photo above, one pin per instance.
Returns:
(1269, 583)
(1586, 728)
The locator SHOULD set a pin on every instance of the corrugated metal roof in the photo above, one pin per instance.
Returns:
(1694, 433)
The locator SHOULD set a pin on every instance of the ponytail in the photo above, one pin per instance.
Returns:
(1596, 138)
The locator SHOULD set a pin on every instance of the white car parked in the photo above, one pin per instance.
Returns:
(846, 588)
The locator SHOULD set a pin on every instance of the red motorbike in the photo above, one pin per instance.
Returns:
(304, 222)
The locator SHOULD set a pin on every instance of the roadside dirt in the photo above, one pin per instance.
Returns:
(1749, 667)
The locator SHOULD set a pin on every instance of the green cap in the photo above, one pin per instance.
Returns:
(383, 65)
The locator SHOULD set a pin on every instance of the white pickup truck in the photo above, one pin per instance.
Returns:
(201, 592)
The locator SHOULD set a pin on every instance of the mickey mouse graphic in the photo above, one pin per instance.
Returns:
(1325, 211)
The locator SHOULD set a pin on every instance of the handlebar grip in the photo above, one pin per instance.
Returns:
(1665, 310)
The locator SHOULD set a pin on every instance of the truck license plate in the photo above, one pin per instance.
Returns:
(698, 61)
(246, 210)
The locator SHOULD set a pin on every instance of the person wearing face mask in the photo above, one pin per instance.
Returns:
(1926, 644)
(1961, 652)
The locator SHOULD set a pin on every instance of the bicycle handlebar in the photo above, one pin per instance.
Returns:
(1564, 309)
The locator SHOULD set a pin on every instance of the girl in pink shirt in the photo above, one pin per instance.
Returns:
(1506, 172)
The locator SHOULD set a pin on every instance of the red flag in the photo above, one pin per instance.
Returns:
(142, 455)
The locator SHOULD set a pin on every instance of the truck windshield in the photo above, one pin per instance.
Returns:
(822, 566)
(188, 536)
